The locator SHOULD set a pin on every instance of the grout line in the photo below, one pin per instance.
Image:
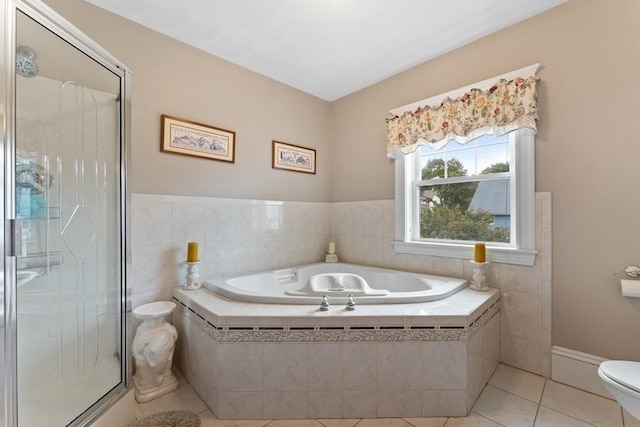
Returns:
(508, 392)
(516, 395)
(413, 425)
(546, 381)
(482, 416)
(535, 418)
(567, 415)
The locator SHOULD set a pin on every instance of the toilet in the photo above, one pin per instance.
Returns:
(622, 380)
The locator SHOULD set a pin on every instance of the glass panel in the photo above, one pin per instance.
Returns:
(486, 154)
(493, 154)
(67, 189)
(470, 211)
(467, 211)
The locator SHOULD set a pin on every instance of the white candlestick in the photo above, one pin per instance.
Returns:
(479, 280)
(193, 278)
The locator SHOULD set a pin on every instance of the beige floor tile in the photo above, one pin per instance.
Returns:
(505, 408)
(181, 379)
(347, 422)
(294, 423)
(550, 418)
(383, 422)
(629, 420)
(208, 419)
(184, 398)
(581, 405)
(426, 422)
(251, 423)
(139, 413)
(518, 382)
(473, 420)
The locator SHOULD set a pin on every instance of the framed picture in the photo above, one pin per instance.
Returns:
(293, 158)
(181, 136)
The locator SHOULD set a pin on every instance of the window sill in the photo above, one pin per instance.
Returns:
(494, 254)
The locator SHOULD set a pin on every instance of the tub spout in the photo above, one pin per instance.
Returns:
(350, 304)
(324, 305)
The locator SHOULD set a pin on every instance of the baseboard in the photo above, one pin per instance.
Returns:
(579, 370)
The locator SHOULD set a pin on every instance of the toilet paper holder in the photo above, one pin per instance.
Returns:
(630, 288)
(630, 271)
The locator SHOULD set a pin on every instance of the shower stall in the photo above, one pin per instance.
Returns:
(66, 304)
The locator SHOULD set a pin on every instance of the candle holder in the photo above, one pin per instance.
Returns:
(331, 258)
(479, 280)
(193, 278)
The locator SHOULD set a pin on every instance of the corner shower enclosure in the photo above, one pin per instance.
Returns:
(66, 304)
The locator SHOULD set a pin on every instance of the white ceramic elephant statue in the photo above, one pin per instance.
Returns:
(153, 352)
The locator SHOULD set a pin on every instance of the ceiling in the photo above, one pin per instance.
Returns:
(328, 48)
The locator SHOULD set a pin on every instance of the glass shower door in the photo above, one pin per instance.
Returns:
(68, 203)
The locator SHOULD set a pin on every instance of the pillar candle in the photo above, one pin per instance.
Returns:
(192, 252)
(479, 253)
(331, 249)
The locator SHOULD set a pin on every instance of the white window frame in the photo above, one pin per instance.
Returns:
(521, 250)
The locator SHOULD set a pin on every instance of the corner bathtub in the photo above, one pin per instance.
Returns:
(251, 360)
(308, 284)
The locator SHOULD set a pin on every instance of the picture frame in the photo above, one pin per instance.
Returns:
(293, 157)
(180, 136)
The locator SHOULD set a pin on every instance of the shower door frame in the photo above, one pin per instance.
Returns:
(59, 26)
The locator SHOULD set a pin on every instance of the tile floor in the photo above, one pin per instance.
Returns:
(512, 398)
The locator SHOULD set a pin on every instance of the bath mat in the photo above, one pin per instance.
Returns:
(169, 419)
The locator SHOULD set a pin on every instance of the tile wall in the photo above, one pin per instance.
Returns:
(364, 232)
(336, 379)
(235, 236)
(242, 236)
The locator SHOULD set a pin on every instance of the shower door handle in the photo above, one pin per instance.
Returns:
(15, 234)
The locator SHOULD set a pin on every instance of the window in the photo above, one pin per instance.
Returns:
(450, 197)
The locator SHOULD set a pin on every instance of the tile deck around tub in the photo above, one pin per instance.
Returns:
(458, 310)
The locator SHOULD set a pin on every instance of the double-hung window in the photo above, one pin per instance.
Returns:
(450, 195)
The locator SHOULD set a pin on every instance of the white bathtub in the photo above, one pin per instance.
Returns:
(250, 360)
(309, 283)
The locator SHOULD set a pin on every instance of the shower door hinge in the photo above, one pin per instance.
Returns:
(15, 234)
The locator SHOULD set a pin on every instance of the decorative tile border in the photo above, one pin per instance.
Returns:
(337, 334)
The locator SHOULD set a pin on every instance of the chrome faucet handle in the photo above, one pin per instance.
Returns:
(324, 305)
(350, 304)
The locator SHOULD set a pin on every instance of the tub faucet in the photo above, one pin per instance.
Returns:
(324, 305)
(350, 304)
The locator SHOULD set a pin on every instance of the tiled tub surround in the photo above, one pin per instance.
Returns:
(364, 232)
(269, 361)
(243, 236)
(235, 237)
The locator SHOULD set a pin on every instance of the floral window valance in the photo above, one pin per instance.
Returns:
(506, 106)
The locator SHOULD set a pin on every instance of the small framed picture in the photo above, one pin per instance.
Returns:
(181, 136)
(293, 158)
